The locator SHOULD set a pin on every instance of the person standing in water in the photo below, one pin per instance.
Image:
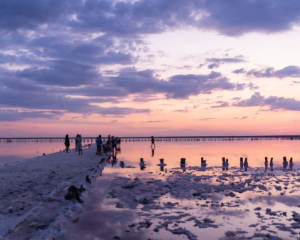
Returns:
(152, 141)
(241, 163)
(67, 143)
(266, 163)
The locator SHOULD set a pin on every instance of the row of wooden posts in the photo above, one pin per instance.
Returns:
(242, 162)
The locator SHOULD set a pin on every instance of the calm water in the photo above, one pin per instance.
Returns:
(102, 219)
(131, 152)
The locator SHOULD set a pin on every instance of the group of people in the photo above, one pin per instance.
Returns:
(78, 144)
(111, 145)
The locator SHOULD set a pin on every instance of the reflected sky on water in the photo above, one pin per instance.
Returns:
(107, 215)
(171, 152)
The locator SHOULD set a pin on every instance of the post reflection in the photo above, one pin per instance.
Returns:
(142, 164)
(246, 164)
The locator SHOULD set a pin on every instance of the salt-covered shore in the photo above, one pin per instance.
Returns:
(32, 193)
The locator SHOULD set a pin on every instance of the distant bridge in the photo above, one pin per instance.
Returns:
(158, 139)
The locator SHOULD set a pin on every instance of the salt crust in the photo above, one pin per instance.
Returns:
(32, 193)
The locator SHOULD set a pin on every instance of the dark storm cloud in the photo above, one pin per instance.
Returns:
(16, 14)
(273, 102)
(227, 17)
(8, 115)
(236, 17)
(289, 71)
(60, 73)
(233, 17)
(101, 50)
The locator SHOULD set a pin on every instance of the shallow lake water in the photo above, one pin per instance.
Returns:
(193, 202)
(19, 150)
(171, 151)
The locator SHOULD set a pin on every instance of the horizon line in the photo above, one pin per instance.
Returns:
(146, 137)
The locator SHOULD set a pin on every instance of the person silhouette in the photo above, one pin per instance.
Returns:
(226, 164)
(67, 143)
(223, 164)
(266, 163)
(241, 163)
(152, 141)
(285, 163)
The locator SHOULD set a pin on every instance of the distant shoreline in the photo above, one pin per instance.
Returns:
(295, 137)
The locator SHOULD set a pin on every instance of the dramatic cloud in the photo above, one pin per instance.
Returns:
(16, 14)
(290, 71)
(53, 51)
(139, 17)
(9, 115)
(61, 73)
(178, 86)
(54, 101)
(273, 102)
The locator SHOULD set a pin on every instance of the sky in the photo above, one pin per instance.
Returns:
(149, 67)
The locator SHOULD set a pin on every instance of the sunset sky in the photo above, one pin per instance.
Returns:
(149, 67)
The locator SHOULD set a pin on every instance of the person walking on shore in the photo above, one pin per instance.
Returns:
(67, 143)
(79, 144)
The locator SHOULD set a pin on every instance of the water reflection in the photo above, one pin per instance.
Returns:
(152, 150)
(291, 164)
(122, 164)
(210, 190)
(271, 164)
